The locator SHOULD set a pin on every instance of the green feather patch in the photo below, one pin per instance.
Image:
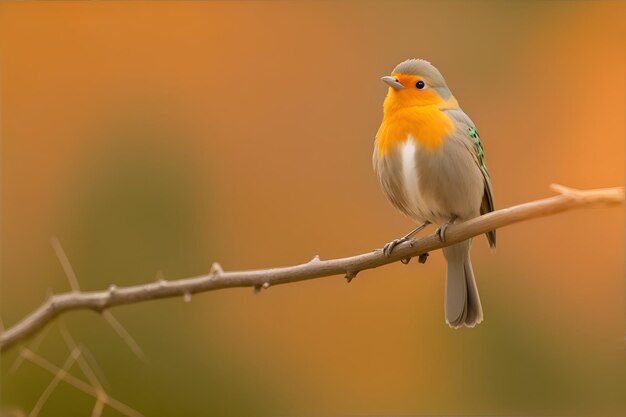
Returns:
(478, 147)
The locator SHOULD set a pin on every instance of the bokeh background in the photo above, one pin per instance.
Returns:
(152, 139)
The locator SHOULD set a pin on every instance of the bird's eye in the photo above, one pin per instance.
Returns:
(420, 85)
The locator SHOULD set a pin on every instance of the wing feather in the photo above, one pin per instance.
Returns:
(475, 147)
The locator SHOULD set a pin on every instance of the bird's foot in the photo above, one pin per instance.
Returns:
(441, 230)
(390, 245)
(422, 258)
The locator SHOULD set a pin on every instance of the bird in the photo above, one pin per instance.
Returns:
(430, 164)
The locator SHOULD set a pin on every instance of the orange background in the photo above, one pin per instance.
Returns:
(155, 138)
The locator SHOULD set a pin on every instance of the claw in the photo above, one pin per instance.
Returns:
(441, 230)
(422, 258)
(390, 245)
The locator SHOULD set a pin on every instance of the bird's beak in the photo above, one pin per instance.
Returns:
(392, 82)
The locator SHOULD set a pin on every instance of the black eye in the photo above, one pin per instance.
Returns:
(420, 84)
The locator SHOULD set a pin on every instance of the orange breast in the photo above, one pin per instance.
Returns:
(427, 124)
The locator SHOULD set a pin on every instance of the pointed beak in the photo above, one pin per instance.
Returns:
(392, 82)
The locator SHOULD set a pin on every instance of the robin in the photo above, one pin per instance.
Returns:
(431, 166)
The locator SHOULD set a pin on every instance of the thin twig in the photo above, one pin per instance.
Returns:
(84, 366)
(55, 381)
(264, 278)
(34, 345)
(73, 281)
(98, 408)
(101, 395)
(124, 335)
(79, 384)
(65, 263)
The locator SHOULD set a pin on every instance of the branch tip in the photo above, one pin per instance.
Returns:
(605, 195)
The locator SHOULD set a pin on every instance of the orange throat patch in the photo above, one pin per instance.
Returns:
(428, 126)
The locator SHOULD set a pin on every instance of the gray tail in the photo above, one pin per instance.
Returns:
(462, 301)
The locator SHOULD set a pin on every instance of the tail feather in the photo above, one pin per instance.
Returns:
(462, 302)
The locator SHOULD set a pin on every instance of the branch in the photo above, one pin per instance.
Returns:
(218, 279)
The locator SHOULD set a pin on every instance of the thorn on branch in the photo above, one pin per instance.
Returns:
(187, 296)
(112, 289)
(405, 261)
(216, 269)
(259, 287)
(350, 275)
(315, 259)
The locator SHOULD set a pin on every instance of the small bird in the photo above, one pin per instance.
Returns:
(431, 166)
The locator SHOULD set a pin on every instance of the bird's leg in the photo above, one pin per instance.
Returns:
(389, 246)
(441, 230)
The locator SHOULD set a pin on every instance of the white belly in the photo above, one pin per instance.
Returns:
(418, 208)
(432, 185)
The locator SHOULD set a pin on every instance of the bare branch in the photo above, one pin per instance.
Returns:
(218, 279)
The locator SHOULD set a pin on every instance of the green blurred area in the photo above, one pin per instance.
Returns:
(133, 211)
(153, 139)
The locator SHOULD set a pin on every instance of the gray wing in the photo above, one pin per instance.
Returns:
(475, 147)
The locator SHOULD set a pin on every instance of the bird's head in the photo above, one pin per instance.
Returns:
(416, 82)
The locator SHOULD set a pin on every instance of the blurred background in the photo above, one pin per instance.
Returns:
(152, 139)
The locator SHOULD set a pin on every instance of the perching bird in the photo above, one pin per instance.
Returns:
(430, 164)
